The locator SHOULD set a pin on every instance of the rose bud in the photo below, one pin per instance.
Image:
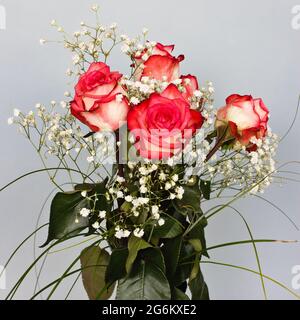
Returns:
(160, 123)
(99, 102)
(158, 63)
(242, 119)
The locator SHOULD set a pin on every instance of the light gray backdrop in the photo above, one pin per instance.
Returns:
(244, 46)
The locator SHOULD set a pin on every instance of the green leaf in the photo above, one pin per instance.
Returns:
(185, 264)
(197, 236)
(205, 187)
(154, 256)
(116, 268)
(134, 246)
(190, 203)
(65, 210)
(171, 251)
(147, 280)
(171, 229)
(198, 287)
(84, 187)
(177, 294)
(94, 261)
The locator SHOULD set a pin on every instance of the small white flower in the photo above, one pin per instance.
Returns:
(134, 101)
(126, 233)
(143, 180)
(136, 213)
(172, 196)
(136, 202)
(180, 190)
(90, 159)
(198, 94)
(42, 41)
(161, 222)
(144, 200)
(162, 176)
(168, 186)
(175, 178)
(63, 104)
(120, 179)
(119, 234)
(84, 194)
(211, 90)
(145, 31)
(143, 189)
(120, 194)
(125, 48)
(102, 214)
(95, 7)
(84, 212)
(154, 167)
(123, 37)
(113, 26)
(96, 225)
(177, 81)
(17, 112)
(10, 121)
(53, 23)
(138, 232)
(143, 171)
(128, 198)
(154, 209)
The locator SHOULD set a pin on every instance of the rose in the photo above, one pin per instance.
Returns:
(160, 123)
(99, 102)
(190, 85)
(243, 118)
(158, 63)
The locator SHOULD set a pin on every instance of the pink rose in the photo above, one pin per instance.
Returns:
(160, 64)
(98, 100)
(160, 123)
(245, 118)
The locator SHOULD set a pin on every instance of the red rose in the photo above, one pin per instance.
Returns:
(190, 84)
(160, 123)
(246, 118)
(160, 64)
(98, 100)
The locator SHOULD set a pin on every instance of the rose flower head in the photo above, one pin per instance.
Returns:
(242, 119)
(160, 123)
(99, 102)
(158, 63)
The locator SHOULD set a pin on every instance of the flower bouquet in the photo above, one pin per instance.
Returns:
(134, 158)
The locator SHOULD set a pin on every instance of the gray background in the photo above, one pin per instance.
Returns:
(242, 46)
